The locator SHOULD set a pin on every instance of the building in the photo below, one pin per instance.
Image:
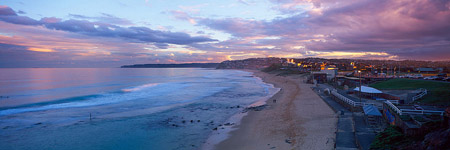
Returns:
(318, 77)
(331, 73)
(426, 70)
(324, 75)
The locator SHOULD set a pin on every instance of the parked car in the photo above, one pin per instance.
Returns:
(442, 75)
(430, 78)
(446, 79)
(439, 78)
(417, 76)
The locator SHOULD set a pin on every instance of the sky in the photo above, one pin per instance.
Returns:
(111, 33)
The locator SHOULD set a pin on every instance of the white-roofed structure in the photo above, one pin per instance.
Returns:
(366, 89)
(370, 93)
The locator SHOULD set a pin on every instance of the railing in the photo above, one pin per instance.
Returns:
(421, 112)
(343, 98)
(412, 111)
(379, 106)
(351, 102)
(422, 93)
(390, 103)
(394, 101)
(362, 104)
(393, 107)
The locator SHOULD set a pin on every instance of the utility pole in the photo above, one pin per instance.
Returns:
(360, 85)
(394, 71)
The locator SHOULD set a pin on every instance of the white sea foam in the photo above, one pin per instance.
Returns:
(220, 135)
(159, 94)
(134, 93)
(138, 88)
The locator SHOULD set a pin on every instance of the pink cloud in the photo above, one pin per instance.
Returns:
(394, 27)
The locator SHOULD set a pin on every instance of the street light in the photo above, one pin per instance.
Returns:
(360, 85)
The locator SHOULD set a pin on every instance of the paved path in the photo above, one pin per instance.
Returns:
(364, 134)
(345, 134)
(352, 129)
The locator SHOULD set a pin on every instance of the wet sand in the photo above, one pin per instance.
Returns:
(298, 120)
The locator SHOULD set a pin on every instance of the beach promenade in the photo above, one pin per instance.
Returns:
(299, 119)
(353, 132)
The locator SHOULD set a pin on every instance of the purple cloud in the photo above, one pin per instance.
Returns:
(21, 12)
(9, 15)
(409, 29)
(133, 34)
(6, 11)
(104, 18)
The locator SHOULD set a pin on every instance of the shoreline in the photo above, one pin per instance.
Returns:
(222, 133)
(299, 119)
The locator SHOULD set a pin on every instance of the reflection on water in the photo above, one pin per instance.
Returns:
(130, 108)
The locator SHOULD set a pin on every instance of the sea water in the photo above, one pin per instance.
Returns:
(118, 108)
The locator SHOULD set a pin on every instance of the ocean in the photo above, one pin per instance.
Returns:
(120, 108)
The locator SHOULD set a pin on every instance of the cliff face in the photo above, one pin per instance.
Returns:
(433, 135)
(437, 138)
(251, 63)
(432, 141)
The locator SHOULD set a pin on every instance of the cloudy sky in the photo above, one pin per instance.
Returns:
(111, 33)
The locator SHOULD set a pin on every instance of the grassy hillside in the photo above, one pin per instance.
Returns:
(276, 69)
(438, 92)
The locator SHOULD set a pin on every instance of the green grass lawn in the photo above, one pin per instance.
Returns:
(438, 92)
(276, 69)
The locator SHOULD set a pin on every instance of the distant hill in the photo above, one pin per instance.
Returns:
(187, 65)
(251, 63)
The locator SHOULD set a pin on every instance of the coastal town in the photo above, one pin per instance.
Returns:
(381, 104)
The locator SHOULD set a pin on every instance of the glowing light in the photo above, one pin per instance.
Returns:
(265, 47)
(93, 53)
(298, 47)
(40, 49)
(192, 21)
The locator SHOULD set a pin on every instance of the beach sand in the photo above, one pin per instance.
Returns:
(299, 119)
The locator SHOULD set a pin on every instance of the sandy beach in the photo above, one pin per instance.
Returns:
(299, 119)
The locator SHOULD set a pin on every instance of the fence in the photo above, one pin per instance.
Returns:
(394, 101)
(393, 107)
(422, 92)
(353, 103)
(421, 112)
(343, 98)
(412, 111)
